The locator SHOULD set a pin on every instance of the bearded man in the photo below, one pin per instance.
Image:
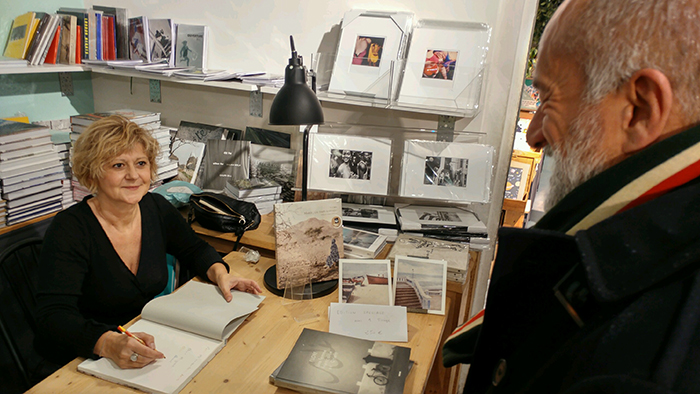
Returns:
(603, 294)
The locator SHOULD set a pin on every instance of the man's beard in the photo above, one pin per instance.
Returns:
(578, 157)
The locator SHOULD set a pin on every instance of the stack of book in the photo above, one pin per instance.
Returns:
(456, 254)
(60, 136)
(262, 192)
(449, 223)
(375, 218)
(167, 167)
(30, 170)
(360, 244)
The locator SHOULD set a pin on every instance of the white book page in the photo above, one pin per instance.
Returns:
(201, 308)
(186, 354)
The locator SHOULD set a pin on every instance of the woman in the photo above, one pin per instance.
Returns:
(104, 258)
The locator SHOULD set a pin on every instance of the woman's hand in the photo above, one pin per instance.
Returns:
(120, 348)
(217, 273)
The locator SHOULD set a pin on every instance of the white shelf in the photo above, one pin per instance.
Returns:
(44, 68)
(234, 85)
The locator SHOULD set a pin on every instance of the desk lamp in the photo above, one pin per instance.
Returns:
(296, 104)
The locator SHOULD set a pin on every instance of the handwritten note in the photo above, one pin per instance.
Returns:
(373, 322)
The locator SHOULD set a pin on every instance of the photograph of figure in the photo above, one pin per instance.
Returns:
(440, 64)
(350, 164)
(446, 171)
(368, 51)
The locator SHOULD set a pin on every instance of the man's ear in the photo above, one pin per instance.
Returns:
(650, 99)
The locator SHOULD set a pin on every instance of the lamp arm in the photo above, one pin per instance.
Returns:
(305, 164)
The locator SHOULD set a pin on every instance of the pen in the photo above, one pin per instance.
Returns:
(123, 330)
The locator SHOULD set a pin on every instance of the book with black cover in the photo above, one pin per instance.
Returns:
(322, 362)
(225, 160)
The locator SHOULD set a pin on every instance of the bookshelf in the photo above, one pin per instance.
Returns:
(43, 69)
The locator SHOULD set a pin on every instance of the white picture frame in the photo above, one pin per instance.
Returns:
(460, 87)
(365, 171)
(383, 33)
(446, 171)
(426, 278)
(355, 275)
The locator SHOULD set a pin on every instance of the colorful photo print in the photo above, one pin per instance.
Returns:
(365, 282)
(350, 164)
(440, 64)
(419, 284)
(445, 171)
(368, 51)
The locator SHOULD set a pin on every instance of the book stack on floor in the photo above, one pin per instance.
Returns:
(31, 171)
(262, 192)
(374, 218)
(360, 244)
(323, 362)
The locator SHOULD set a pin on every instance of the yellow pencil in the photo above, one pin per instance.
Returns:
(123, 330)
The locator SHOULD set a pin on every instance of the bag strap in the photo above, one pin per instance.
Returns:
(238, 240)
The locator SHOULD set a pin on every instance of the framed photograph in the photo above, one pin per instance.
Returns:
(352, 164)
(445, 65)
(369, 42)
(419, 217)
(375, 214)
(420, 284)
(446, 170)
(365, 282)
(518, 178)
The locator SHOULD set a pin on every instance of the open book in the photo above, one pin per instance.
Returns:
(190, 327)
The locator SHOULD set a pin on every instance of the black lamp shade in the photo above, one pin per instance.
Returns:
(295, 103)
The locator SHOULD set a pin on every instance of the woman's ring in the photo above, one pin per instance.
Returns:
(134, 357)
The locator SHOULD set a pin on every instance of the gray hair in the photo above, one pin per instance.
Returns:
(616, 38)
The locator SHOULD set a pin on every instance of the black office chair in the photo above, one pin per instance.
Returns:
(18, 287)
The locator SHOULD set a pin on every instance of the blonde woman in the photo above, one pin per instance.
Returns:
(104, 258)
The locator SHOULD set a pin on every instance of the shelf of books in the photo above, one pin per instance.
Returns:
(139, 74)
(45, 68)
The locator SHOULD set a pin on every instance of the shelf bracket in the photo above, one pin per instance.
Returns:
(256, 103)
(446, 127)
(65, 80)
(154, 89)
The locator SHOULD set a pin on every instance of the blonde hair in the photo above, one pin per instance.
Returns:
(106, 139)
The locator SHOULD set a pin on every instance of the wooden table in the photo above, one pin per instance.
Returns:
(442, 380)
(261, 344)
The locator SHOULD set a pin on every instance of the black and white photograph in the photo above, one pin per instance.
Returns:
(361, 243)
(326, 362)
(365, 282)
(446, 171)
(345, 163)
(360, 213)
(276, 164)
(201, 132)
(350, 164)
(368, 213)
(417, 217)
(420, 284)
(441, 170)
(371, 45)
